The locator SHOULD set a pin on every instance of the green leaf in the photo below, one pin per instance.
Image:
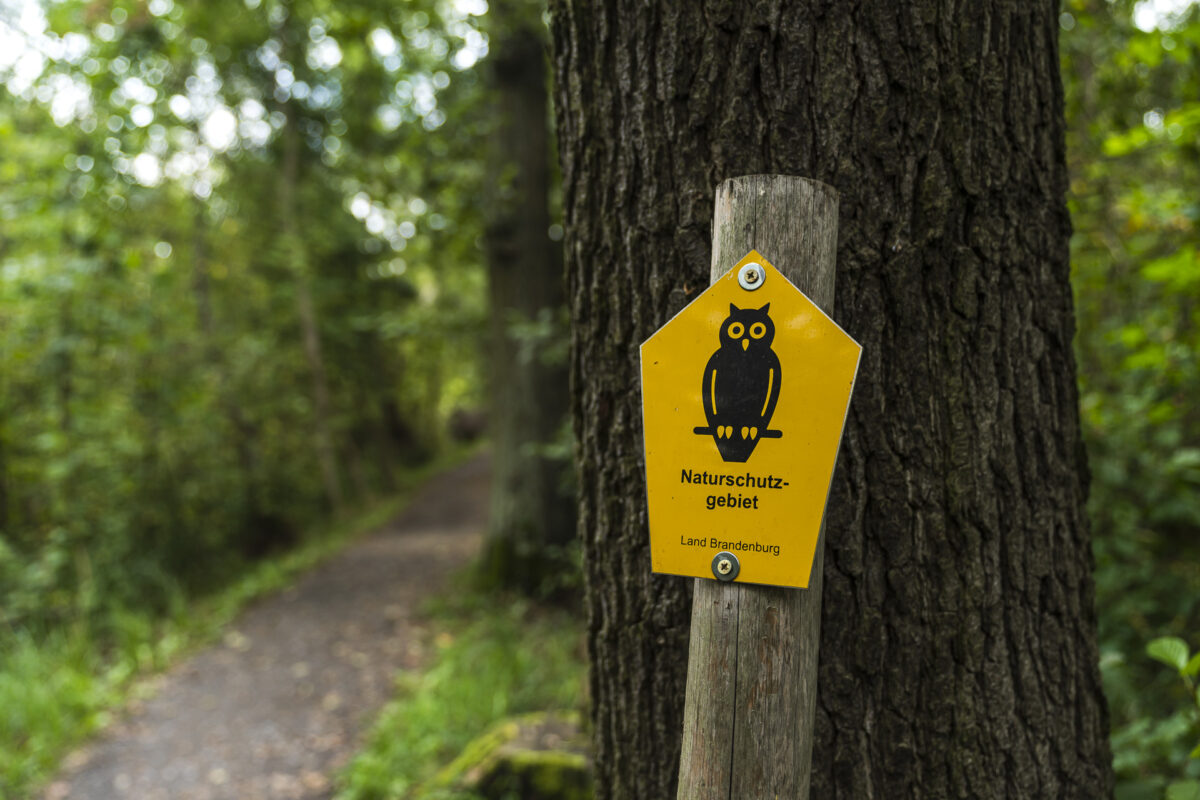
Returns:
(1193, 666)
(1179, 270)
(1184, 790)
(1195, 753)
(1146, 49)
(1122, 144)
(1170, 650)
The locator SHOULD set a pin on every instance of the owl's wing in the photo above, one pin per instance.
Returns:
(774, 382)
(708, 389)
(707, 382)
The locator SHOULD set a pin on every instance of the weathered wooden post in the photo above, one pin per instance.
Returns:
(752, 668)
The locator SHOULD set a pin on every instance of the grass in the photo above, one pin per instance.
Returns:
(60, 686)
(494, 660)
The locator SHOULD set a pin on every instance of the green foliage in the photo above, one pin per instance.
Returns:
(1162, 754)
(238, 271)
(500, 659)
(160, 392)
(1184, 790)
(1171, 651)
(51, 698)
(58, 688)
(1134, 150)
(239, 282)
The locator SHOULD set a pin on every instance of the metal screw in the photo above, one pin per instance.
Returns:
(751, 276)
(725, 566)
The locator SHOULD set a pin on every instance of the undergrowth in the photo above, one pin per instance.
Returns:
(494, 659)
(59, 685)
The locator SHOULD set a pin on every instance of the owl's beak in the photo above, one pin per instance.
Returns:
(745, 343)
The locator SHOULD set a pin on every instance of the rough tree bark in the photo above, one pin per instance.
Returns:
(532, 518)
(958, 649)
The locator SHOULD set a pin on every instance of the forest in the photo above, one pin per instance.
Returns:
(276, 275)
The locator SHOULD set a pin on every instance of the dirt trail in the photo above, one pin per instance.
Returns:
(278, 706)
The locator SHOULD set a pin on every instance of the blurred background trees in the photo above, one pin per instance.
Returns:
(241, 280)
(1133, 115)
(532, 522)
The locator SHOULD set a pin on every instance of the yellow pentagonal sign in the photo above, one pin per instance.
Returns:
(744, 397)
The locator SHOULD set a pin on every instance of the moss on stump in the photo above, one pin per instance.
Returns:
(532, 757)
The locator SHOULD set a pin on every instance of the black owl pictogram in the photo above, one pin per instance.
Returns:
(741, 384)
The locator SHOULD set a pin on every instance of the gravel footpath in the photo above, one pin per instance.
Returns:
(279, 705)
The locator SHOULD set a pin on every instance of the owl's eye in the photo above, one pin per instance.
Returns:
(758, 330)
(736, 330)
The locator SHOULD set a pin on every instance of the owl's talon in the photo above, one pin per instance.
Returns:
(745, 432)
(754, 433)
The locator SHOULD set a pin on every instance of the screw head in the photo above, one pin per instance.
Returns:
(725, 566)
(751, 276)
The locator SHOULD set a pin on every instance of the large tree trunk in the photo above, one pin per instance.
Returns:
(532, 518)
(958, 652)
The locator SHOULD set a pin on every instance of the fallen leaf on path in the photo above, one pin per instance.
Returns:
(315, 781)
(237, 640)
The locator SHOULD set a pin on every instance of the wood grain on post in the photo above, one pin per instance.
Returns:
(752, 664)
